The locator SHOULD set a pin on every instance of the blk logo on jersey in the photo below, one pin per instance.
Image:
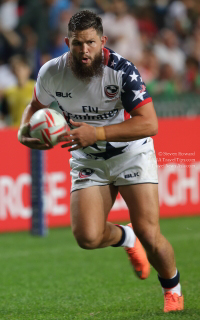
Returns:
(111, 91)
(84, 173)
(63, 95)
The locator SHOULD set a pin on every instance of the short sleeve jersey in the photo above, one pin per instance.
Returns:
(103, 101)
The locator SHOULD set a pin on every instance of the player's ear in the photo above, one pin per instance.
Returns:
(67, 41)
(104, 39)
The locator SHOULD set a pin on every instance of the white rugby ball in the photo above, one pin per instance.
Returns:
(46, 125)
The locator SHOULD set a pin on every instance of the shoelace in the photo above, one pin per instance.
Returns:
(170, 299)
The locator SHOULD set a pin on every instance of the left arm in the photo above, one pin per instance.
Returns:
(142, 124)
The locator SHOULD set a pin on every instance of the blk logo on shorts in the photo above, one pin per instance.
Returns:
(84, 173)
(111, 91)
(130, 175)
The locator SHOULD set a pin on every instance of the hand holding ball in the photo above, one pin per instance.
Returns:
(46, 125)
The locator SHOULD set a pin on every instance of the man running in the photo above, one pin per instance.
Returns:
(111, 117)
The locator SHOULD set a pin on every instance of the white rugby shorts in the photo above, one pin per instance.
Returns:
(134, 166)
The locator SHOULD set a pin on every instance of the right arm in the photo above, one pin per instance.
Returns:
(23, 133)
(41, 99)
(32, 107)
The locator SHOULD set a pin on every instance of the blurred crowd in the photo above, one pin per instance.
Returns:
(162, 37)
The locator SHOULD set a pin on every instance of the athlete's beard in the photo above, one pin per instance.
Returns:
(84, 72)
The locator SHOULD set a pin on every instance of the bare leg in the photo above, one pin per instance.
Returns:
(89, 210)
(142, 201)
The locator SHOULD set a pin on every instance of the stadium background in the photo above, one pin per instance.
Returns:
(51, 278)
(161, 37)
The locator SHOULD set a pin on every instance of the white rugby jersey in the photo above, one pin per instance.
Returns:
(103, 101)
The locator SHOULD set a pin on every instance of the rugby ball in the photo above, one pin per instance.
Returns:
(46, 125)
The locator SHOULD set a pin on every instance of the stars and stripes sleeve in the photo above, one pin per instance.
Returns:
(134, 93)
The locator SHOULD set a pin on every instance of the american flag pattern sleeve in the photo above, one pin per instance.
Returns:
(133, 92)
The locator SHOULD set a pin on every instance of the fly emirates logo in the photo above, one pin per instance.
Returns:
(90, 113)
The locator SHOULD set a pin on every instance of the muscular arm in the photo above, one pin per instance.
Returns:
(143, 124)
(23, 133)
(32, 107)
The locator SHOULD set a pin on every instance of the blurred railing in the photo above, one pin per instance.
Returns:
(166, 105)
(187, 104)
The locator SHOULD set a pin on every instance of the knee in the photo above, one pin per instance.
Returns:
(87, 240)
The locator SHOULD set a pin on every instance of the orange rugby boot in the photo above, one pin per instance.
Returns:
(173, 302)
(138, 259)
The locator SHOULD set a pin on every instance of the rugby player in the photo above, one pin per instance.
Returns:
(112, 118)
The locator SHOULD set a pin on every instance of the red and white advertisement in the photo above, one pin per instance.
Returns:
(178, 156)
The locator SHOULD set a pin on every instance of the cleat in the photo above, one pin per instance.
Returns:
(173, 302)
(138, 259)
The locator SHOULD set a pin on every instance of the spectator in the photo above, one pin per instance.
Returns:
(16, 98)
(64, 18)
(55, 9)
(58, 45)
(10, 41)
(37, 29)
(192, 76)
(165, 83)
(7, 77)
(192, 45)
(177, 11)
(8, 14)
(31, 50)
(146, 22)
(122, 31)
(7, 80)
(168, 51)
(192, 10)
(35, 17)
(99, 6)
(160, 10)
(148, 66)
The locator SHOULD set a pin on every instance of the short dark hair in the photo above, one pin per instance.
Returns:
(84, 20)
